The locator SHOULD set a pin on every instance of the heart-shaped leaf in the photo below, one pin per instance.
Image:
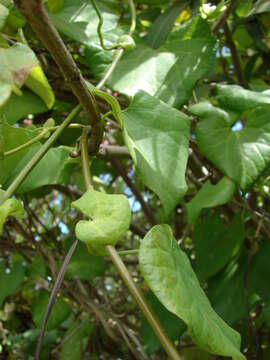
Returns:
(170, 276)
(171, 71)
(109, 218)
(241, 155)
(157, 137)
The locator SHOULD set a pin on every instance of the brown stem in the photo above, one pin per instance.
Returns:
(220, 21)
(36, 15)
(235, 58)
(145, 207)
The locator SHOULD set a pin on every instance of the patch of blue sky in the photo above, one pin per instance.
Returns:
(63, 227)
(237, 126)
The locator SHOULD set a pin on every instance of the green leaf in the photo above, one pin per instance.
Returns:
(171, 323)
(210, 196)
(163, 25)
(55, 5)
(37, 270)
(38, 83)
(60, 310)
(11, 207)
(16, 63)
(3, 15)
(157, 137)
(75, 340)
(58, 167)
(85, 266)
(109, 218)
(170, 72)
(78, 20)
(11, 279)
(259, 7)
(169, 275)
(19, 107)
(13, 137)
(259, 272)
(238, 99)
(249, 148)
(227, 293)
(216, 244)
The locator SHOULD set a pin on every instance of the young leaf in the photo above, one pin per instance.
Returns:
(11, 207)
(157, 137)
(109, 218)
(210, 196)
(249, 148)
(170, 276)
(216, 244)
(163, 25)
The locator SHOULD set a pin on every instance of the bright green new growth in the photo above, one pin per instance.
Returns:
(9, 207)
(109, 218)
(126, 42)
(170, 276)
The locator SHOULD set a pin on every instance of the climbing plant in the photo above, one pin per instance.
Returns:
(134, 174)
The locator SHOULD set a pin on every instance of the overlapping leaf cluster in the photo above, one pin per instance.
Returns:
(188, 114)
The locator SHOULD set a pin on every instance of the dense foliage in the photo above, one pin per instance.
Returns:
(177, 132)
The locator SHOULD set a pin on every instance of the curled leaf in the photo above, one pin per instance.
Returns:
(169, 274)
(108, 216)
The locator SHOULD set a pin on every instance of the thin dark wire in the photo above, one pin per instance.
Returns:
(56, 287)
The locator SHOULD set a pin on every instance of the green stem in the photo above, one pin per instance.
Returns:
(85, 161)
(128, 252)
(143, 305)
(28, 143)
(119, 52)
(123, 271)
(38, 156)
(100, 23)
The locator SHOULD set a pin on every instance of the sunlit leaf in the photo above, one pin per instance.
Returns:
(157, 137)
(249, 148)
(108, 216)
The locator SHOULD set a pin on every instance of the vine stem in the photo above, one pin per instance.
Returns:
(39, 155)
(119, 52)
(124, 273)
(143, 305)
